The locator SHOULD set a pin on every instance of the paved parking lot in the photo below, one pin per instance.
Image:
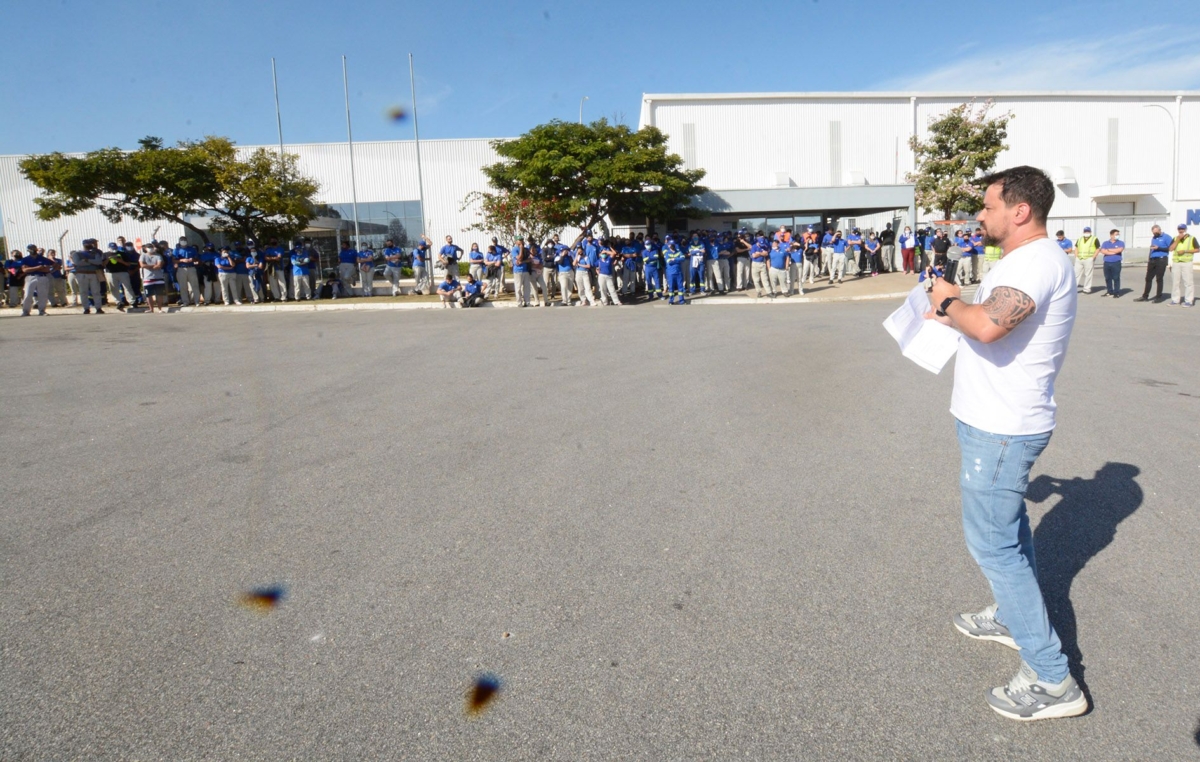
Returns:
(672, 533)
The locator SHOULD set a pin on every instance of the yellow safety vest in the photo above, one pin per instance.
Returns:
(1085, 248)
(992, 253)
(1189, 245)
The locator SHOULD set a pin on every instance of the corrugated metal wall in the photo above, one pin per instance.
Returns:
(384, 171)
(743, 143)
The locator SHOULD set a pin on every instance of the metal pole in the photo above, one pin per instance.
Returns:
(581, 100)
(412, 82)
(278, 119)
(1174, 144)
(350, 143)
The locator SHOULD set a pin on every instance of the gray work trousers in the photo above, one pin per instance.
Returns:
(89, 286)
(366, 281)
(38, 285)
(1183, 283)
(583, 284)
(837, 266)
(537, 282)
(608, 290)
(758, 276)
(189, 286)
(887, 253)
(230, 292)
(346, 276)
(393, 275)
(301, 289)
(119, 283)
(564, 285)
(778, 280)
(718, 273)
(421, 274)
(742, 271)
(279, 288)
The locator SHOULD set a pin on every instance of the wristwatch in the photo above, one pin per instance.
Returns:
(941, 311)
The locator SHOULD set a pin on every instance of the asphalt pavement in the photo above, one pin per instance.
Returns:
(672, 533)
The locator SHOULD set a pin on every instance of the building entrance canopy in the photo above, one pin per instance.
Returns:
(846, 201)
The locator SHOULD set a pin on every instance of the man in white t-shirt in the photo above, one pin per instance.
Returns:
(1014, 341)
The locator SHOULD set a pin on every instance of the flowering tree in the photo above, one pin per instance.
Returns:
(963, 145)
(507, 215)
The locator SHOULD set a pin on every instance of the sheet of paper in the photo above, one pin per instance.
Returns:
(928, 343)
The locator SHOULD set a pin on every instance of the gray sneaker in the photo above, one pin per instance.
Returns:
(983, 626)
(1026, 698)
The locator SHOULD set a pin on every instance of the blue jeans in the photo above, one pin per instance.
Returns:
(993, 478)
(1112, 277)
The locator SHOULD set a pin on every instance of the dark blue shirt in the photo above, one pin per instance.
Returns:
(1160, 245)
(348, 256)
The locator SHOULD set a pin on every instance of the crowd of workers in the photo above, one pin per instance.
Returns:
(592, 271)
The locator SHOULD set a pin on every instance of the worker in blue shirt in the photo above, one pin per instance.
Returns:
(522, 266)
(420, 265)
(650, 270)
(712, 264)
(779, 258)
(187, 259)
(676, 261)
(760, 267)
(472, 292)
(393, 257)
(227, 262)
(347, 264)
(475, 262)
(210, 287)
(826, 254)
(1112, 249)
(366, 270)
(583, 277)
(606, 272)
(1156, 266)
(275, 270)
(449, 255)
(302, 262)
(837, 258)
(493, 269)
(697, 254)
(36, 269)
(628, 266)
(564, 266)
(450, 290)
(854, 253)
(254, 265)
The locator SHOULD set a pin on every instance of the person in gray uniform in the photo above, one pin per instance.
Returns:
(88, 262)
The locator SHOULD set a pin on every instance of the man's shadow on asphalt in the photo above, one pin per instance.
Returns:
(1083, 523)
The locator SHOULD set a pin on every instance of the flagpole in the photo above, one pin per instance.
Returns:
(350, 143)
(278, 119)
(412, 81)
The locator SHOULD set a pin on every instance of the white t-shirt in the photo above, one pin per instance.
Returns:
(1007, 387)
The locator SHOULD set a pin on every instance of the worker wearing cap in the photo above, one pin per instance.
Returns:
(718, 262)
(36, 269)
(448, 257)
(366, 270)
(583, 277)
(780, 259)
(1086, 247)
(88, 262)
(522, 265)
(537, 276)
(420, 265)
(676, 261)
(1183, 252)
(503, 252)
(393, 256)
(606, 271)
(302, 262)
(58, 280)
(650, 270)
(565, 268)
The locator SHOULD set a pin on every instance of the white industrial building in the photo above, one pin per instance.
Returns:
(771, 158)
(1117, 158)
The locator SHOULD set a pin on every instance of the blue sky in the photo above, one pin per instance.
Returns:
(83, 75)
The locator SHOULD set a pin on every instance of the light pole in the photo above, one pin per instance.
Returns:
(1174, 148)
(581, 100)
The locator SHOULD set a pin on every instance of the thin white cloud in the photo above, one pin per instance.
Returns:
(1156, 58)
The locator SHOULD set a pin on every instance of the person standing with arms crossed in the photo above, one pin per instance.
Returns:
(1112, 249)
(1014, 341)
(1183, 287)
(1156, 266)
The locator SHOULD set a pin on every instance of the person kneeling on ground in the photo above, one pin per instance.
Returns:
(450, 290)
(473, 292)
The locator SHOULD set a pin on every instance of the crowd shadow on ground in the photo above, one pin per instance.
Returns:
(1082, 524)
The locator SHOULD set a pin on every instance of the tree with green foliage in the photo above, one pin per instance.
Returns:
(507, 215)
(578, 175)
(257, 195)
(963, 145)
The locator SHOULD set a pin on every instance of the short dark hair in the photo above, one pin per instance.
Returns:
(1024, 184)
(1060, 233)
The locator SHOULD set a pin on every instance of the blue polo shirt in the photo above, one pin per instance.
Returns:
(779, 258)
(493, 258)
(1160, 245)
(758, 253)
(472, 288)
(300, 263)
(184, 252)
(392, 251)
(347, 256)
(605, 264)
(581, 260)
(854, 241)
(1108, 246)
(227, 263)
(366, 257)
(36, 260)
(593, 254)
(449, 285)
(1065, 244)
(239, 265)
(419, 255)
(521, 267)
(475, 257)
(839, 246)
(629, 254)
(562, 260)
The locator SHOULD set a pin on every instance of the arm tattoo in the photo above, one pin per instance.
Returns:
(1007, 307)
